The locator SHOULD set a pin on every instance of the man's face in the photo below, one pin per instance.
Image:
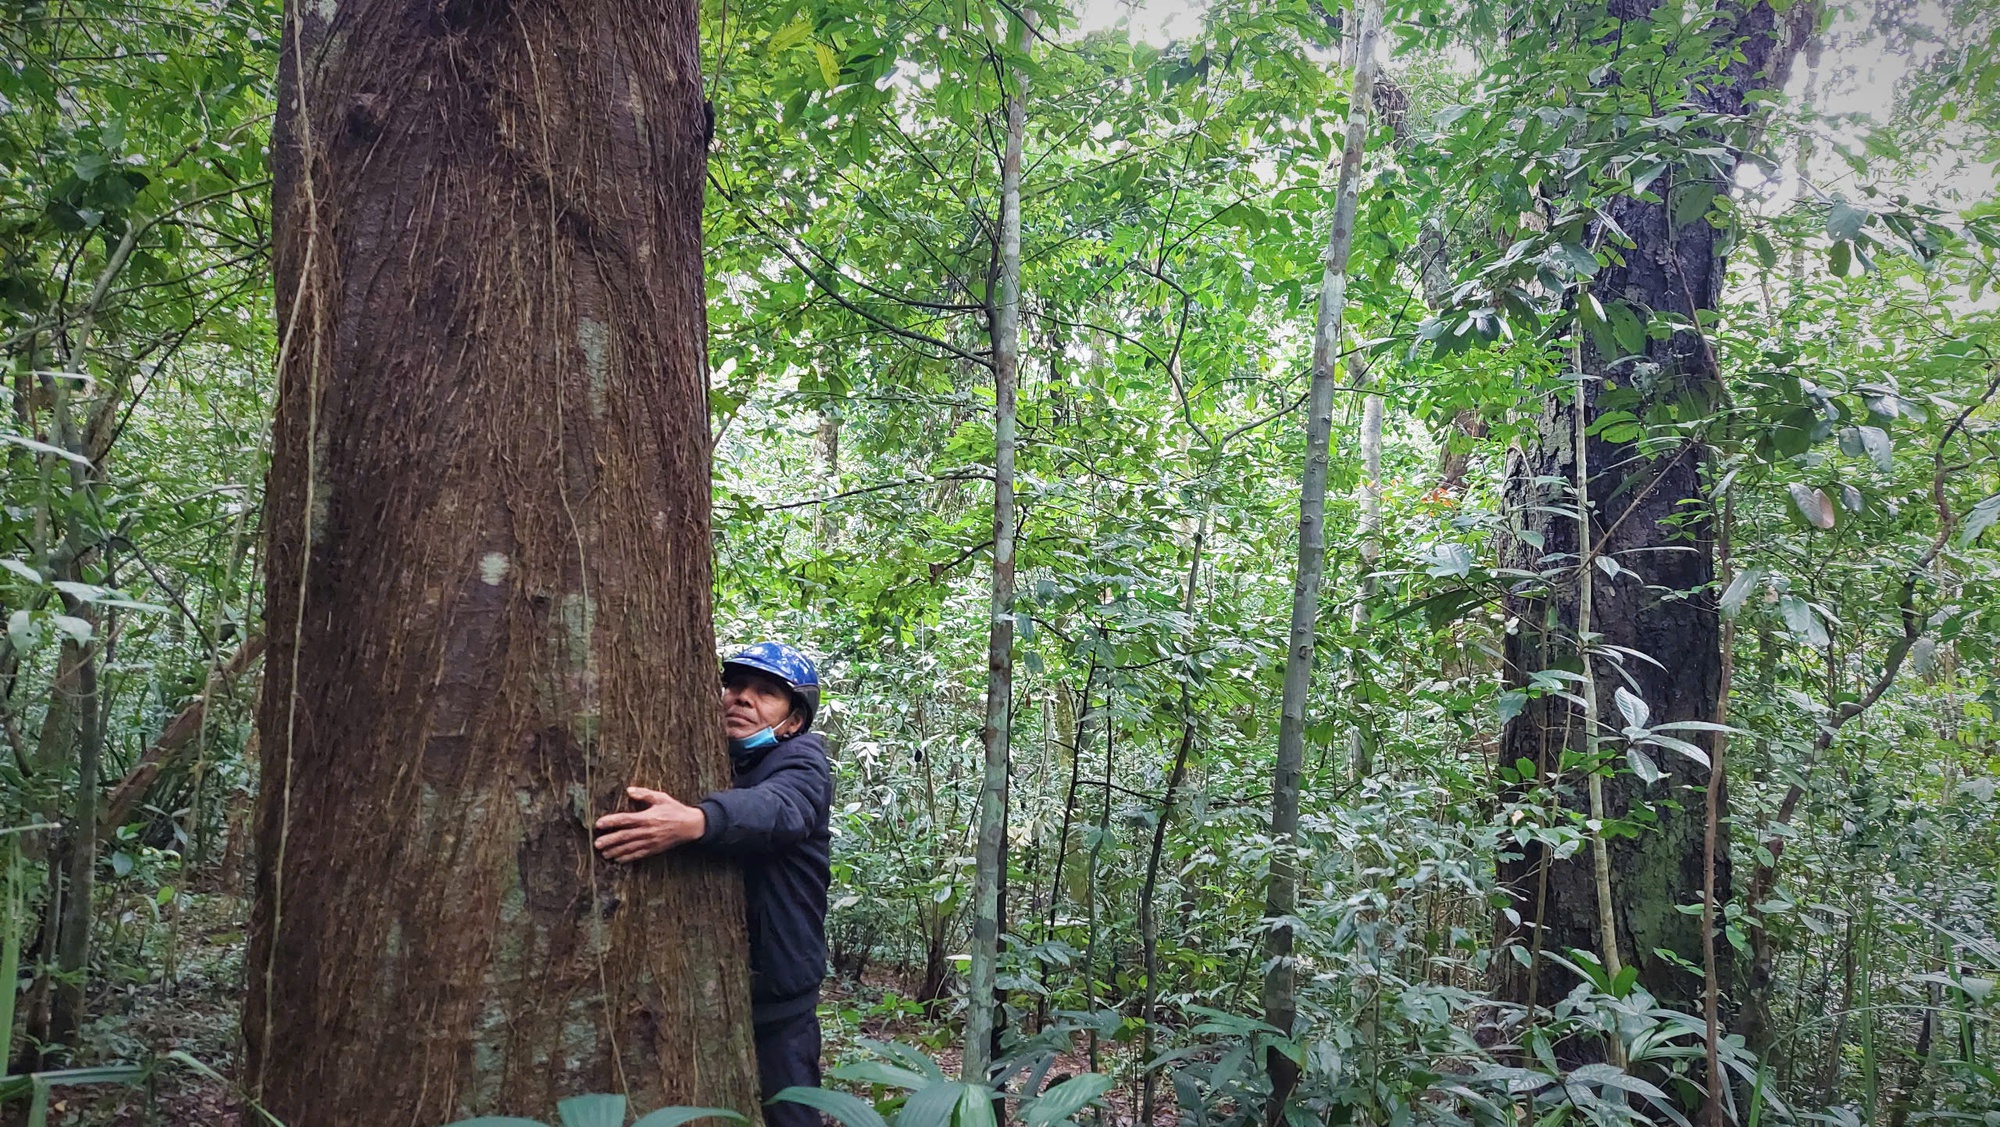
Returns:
(753, 701)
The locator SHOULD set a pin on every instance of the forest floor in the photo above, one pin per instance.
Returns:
(876, 1009)
(192, 1007)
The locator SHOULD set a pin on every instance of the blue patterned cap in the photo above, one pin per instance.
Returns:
(788, 665)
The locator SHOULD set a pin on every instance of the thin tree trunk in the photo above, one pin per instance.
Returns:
(1006, 322)
(1090, 880)
(1078, 733)
(1920, 1056)
(79, 860)
(55, 743)
(488, 561)
(1586, 587)
(73, 715)
(829, 452)
(1361, 743)
(1829, 1078)
(1466, 428)
(1280, 994)
(1755, 1017)
(1712, 835)
(1149, 925)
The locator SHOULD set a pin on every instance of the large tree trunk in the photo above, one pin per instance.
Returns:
(489, 563)
(1649, 515)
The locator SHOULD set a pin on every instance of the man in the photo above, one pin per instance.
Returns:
(775, 821)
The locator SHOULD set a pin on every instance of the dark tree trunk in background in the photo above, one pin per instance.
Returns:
(1650, 514)
(79, 850)
(489, 562)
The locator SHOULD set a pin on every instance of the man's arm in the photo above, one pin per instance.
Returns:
(786, 808)
(665, 822)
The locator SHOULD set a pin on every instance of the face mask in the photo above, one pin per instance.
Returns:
(757, 740)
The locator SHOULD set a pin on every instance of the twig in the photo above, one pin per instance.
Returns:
(880, 488)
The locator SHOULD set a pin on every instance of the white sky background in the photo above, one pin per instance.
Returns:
(1156, 22)
(1855, 78)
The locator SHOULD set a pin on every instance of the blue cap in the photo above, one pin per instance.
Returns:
(788, 665)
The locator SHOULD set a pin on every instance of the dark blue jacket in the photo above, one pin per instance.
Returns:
(775, 821)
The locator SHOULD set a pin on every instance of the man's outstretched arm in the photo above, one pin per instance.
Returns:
(784, 809)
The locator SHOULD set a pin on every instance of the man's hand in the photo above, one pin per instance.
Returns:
(665, 822)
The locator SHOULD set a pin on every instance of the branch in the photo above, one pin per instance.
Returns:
(880, 488)
(1893, 663)
(875, 319)
(166, 748)
(938, 569)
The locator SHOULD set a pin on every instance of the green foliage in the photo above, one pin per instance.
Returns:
(606, 1111)
(1177, 202)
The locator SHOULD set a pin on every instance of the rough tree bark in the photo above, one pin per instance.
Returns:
(1280, 993)
(1648, 515)
(489, 571)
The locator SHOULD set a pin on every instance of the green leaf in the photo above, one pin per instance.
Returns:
(1692, 751)
(851, 1111)
(1643, 766)
(1632, 706)
(1591, 312)
(21, 569)
(877, 1072)
(1802, 620)
(675, 1116)
(1766, 253)
(1870, 442)
(601, 1110)
(789, 36)
(1840, 258)
(1813, 504)
(1580, 261)
(1628, 329)
(96, 1074)
(1977, 521)
(930, 1106)
(45, 448)
(1738, 591)
(1449, 559)
(1067, 1098)
(1622, 983)
(1692, 202)
(975, 1106)
(21, 631)
(77, 628)
(1844, 220)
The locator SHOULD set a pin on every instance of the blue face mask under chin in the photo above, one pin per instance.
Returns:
(755, 741)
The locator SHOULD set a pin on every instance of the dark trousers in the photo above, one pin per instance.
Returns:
(788, 1056)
